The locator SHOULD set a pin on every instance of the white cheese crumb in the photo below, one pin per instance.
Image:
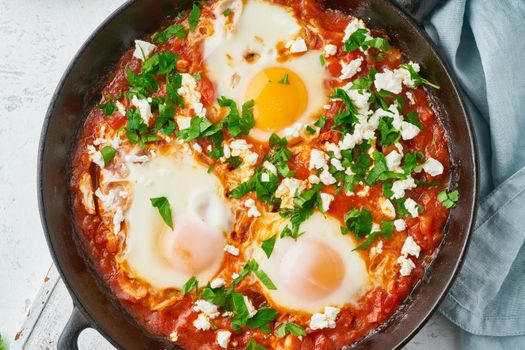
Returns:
(294, 130)
(120, 107)
(337, 164)
(296, 46)
(348, 70)
(235, 275)
(326, 319)
(326, 200)
(265, 177)
(251, 309)
(231, 249)
(388, 81)
(223, 338)
(143, 49)
(238, 147)
(410, 247)
(400, 186)
(270, 167)
(410, 98)
(400, 225)
(227, 151)
(118, 218)
(116, 142)
(202, 323)
(174, 336)
(352, 26)
(332, 147)
(317, 159)
(133, 158)
(183, 122)
(326, 177)
(387, 207)
(409, 130)
(199, 109)
(197, 147)
(252, 208)
(412, 208)
(393, 160)
(251, 158)
(144, 108)
(210, 310)
(407, 265)
(360, 98)
(433, 167)
(377, 249)
(96, 156)
(314, 179)
(217, 283)
(330, 50)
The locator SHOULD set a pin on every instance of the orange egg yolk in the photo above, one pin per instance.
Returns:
(280, 98)
(312, 270)
(191, 247)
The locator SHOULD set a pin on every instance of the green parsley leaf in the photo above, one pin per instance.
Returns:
(268, 244)
(238, 124)
(227, 12)
(108, 153)
(253, 345)
(359, 221)
(172, 86)
(263, 277)
(197, 76)
(108, 108)
(217, 296)
(135, 126)
(277, 142)
(290, 327)
(399, 102)
(346, 119)
(263, 316)
(356, 40)
(418, 80)
(411, 162)
(3, 345)
(164, 208)
(240, 311)
(379, 168)
(235, 162)
(379, 43)
(310, 130)
(284, 80)
(413, 118)
(190, 284)
(448, 199)
(177, 30)
(388, 134)
(321, 122)
(194, 16)
(322, 60)
(387, 231)
(160, 63)
(304, 205)
(199, 127)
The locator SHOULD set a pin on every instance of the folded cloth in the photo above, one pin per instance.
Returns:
(484, 42)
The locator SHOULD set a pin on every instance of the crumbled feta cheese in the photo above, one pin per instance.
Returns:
(188, 90)
(202, 323)
(238, 147)
(133, 158)
(235, 275)
(393, 160)
(407, 265)
(337, 164)
(217, 283)
(412, 207)
(144, 108)
(314, 179)
(210, 310)
(174, 336)
(387, 207)
(118, 218)
(120, 108)
(354, 25)
(332, 147)
(364, 191)
(183, 122)
(360, 98)
(326, 177)
(253, 212)
(330, 50)
(409, 130)
(197, 147)
(405, 74)
(327, 106)
(296, 46)
(317, 159)
(251, 158)
(433, 167)
(326, 319)
(400, 225)
(294, 130)
(223, 338)
(227, 151)
(410, 98)
(143, 49)
(388, 81)
(270, 167)
(96, 156)
(231, 249)
(287, 190)
(377, 249)
(348, 70)
(265, 177)
(326, 200)
(410, 247)
(400, 186)
(251, 309)
(116, 142)
(199, 109)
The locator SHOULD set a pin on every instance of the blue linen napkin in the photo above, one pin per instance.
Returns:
(484, 41)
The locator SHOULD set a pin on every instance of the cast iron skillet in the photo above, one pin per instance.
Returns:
(79, 90)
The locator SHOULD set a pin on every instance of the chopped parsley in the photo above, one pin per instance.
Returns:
(290, 328)
(346, 119)
(190, 284)
(448, 199)
(418, 80)
(379, 168)
(160, 63)
(304, 205)
(358, 39)
(108, 153)
(194, 16)
(253, 345)
(268, 245)
(141, 85)
(358, 221)
(164, 208)
(322, 60)
(238, 124)
(387, 231)
(388, 135)
(108, 108)
(227, 12)
(177, 30)
(413, 118)
(284, 80)
(265, 191)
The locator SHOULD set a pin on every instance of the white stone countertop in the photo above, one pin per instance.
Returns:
(38, 38)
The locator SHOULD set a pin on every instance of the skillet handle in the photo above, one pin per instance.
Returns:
(75, 325)
(419, 9)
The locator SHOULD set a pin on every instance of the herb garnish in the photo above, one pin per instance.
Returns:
(448, 199)
(108, 153)
(177, 30)
(164, 208)
(194, 16)
(284, 80)
(290, 327)
(190, 284)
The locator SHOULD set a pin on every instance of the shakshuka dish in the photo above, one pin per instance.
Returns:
(262, 174)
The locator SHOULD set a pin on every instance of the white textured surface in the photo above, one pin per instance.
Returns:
(37, 40)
